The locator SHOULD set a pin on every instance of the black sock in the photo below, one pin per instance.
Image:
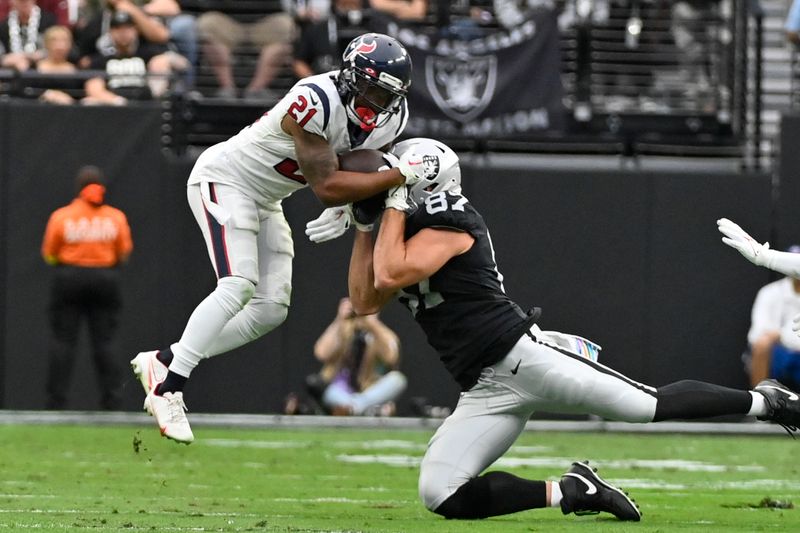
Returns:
(173, 383)
(493, 494)
(697, 399)
(165, 356)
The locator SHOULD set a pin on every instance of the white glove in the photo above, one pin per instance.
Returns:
(411, 167)
(397, 198)
(736, 237)
(332, 223)
(796, 324)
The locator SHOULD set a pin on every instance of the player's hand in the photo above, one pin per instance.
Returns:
(332, 223)
(397, 198)
(737, 238)
(411, 167)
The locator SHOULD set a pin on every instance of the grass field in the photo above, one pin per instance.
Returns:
(74, 478)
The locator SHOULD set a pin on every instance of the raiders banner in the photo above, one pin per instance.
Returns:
(503, 85)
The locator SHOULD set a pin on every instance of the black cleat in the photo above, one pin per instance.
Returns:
(584, 492)
(783, 404)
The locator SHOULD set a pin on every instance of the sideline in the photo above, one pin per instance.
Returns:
(100, 418)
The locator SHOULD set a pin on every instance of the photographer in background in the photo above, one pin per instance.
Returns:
(360, 356)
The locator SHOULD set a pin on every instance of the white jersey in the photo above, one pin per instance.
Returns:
(260, 160)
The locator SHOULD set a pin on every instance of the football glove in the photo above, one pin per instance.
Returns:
(411, 167)
(332, 223)
(736, 237)
(367, 211)
(397, 198)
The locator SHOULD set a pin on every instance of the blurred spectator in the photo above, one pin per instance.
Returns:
(93, 34)
(21, 43)
(57, 45)
(221, 34)
(307, 12)
(86, 241)
(773, 348)
(182, 31)
(360, 356)
(135, 69)
(321, 45)
(59, 8)
(690, 20)
(792, 26)
(409, 10)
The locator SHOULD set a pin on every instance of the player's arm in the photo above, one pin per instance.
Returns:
(320, 167)
(399, 263)
(366, 299)
(759, 254)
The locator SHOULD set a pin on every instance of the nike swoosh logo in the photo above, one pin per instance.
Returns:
(313, 100)
(590, 487)
(516, 368)
(792, 396)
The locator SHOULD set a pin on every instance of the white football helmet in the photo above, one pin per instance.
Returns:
(441, 169)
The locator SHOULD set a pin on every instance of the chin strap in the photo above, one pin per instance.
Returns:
(367, 117)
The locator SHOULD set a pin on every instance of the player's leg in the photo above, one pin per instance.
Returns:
(230, 233)
(467, 443)
(560, 381)
(484, 425)
(269, 306)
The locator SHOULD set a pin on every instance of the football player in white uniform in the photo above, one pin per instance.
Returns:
(235, 191)
(433, 251)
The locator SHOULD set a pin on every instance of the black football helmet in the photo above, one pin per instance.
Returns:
(374, 79)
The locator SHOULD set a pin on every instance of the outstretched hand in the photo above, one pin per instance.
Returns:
(736, 237)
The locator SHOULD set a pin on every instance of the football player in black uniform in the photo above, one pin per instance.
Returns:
(434, 252)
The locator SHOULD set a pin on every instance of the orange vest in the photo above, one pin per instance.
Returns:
(82, 234)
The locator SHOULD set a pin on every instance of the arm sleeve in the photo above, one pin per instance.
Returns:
(787, 263)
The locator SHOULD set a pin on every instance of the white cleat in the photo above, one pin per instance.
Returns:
(170, 414)
(149, 370)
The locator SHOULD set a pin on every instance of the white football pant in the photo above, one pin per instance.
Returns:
(535, 376)
(251, 249)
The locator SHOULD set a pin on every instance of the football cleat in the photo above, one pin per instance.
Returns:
(169, 411)
(149, 370)
(584, 492)
(783, 404)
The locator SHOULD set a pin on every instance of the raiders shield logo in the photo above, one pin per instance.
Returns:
(462, 88)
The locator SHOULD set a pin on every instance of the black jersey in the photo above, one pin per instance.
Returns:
(463, 308)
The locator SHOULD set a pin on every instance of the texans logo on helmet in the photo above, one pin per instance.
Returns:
(366, 48)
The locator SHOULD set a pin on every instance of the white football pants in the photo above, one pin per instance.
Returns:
(536, 375)
(251, 250)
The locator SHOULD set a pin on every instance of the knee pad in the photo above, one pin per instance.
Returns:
(265, 315)
(438, 480)
(234, 292)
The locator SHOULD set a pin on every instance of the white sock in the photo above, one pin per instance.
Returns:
(555, 494)
(759, 407)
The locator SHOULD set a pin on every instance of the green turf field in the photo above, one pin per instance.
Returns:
(71, 478)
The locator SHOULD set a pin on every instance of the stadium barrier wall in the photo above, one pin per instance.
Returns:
(629, 259)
